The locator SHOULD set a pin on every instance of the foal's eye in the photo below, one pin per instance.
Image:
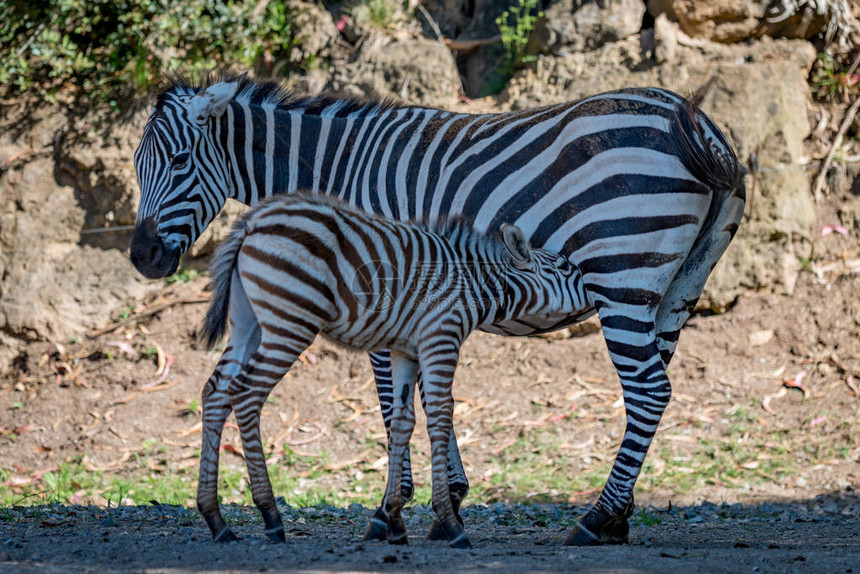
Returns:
(563, 265)
(180, 159)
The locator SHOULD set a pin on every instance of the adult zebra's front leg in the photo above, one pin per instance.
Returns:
(458, 483)
(633, 347)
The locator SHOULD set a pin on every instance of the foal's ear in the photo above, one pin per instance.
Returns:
(518, 246)
(212, 102)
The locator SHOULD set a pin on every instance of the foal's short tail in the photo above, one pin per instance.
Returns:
(223, 264)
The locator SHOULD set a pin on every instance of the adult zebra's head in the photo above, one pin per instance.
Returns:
(182, 173)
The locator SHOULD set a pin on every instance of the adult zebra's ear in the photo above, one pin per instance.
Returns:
(212, 102)
(518, 246)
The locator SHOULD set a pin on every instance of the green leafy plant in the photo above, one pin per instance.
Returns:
(182, 275)
(515, 27)
(98, 47)
(830, 82)
(378, 14)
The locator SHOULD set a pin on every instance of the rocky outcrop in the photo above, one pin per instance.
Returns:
(738, 20)
(574, 26)
(416, 70)
(60, 277)
(315, 35)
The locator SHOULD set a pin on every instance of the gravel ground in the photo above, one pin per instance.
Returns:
(818, 535)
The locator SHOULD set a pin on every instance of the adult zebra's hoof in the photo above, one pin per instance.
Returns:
(276, 535)
(225, 535)
(437, 531)
(598, 527)
(461, 543)
(376, 530)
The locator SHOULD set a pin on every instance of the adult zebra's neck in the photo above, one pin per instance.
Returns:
(324, 145)
(255, 137)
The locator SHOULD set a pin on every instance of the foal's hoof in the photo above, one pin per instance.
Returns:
(597, 528)
(276, 534)
(461, 542)
(225, 535)
(401, 540)
(376, 530)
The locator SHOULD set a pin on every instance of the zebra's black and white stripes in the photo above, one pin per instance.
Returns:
(636, 187)
(299, 265)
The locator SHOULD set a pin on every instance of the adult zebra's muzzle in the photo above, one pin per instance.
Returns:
(149, 254)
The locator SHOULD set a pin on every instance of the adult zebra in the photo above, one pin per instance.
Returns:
(292, 268)
(636, 187)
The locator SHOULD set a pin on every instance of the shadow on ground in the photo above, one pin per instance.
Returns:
(817, 534)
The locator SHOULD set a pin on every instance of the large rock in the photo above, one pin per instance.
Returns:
(737, 20)
(56, 281)
(418, 71)
(315, 34)
(574, 26)
(758, 100)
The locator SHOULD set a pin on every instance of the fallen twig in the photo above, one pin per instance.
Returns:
(146, 314)
(849, 380)
(837, 141)
(466, 45)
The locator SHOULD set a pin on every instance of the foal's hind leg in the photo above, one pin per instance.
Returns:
(248, 392)
(244, 338)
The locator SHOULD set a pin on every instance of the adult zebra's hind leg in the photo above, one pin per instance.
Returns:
(402, 425)
(381, 364)
(636, 355)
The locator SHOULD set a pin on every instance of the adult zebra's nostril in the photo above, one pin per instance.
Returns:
(156, 251)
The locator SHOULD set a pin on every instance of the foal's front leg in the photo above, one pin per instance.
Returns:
(458, 483)
(402, 424)
(438, 363)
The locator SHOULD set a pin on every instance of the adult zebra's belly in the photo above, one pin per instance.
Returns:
(536, 325)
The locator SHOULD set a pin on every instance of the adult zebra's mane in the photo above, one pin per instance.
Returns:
(260, 91)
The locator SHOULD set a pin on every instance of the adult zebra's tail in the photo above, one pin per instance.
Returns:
(704, 151)
(707, 155)
(223, 264)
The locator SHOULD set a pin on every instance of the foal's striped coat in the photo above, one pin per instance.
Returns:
(300, 265)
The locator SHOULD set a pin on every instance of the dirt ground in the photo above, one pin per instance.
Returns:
(765, 411)
(820, 536)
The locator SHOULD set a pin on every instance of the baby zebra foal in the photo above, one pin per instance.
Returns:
(298, 265)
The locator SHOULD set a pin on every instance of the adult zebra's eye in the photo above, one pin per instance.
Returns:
(180, 159)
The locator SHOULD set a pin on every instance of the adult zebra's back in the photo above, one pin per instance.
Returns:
(636, 187)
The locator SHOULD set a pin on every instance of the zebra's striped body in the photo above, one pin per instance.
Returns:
(300, 265)
(636, 187)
